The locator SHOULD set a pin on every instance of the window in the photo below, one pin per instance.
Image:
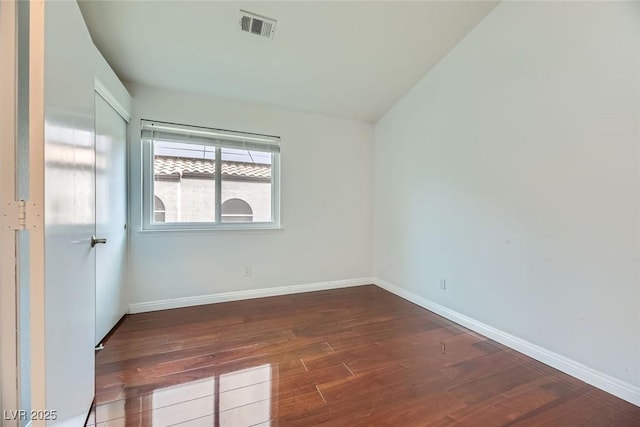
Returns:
(200, 178)
(159, 211)
(236, 210)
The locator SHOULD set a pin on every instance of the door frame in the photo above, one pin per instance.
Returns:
(32, 209)
(102, 90)
(36, 196)
(9, 390)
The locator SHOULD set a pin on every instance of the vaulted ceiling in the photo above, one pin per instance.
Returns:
(345, 59)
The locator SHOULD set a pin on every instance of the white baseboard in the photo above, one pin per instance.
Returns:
(142, 307)
(598, 379)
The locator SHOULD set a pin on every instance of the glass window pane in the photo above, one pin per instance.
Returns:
(246, 186)
(184, 182)
(183, 150)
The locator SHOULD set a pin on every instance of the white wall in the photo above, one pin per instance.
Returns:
(326, 211)
(511, 170)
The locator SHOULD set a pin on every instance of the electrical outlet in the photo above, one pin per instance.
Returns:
(248, 271)
(443, 284)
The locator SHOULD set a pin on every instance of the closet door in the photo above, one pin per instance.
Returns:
(111, 216)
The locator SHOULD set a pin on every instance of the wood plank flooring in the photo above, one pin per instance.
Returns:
(348, 357)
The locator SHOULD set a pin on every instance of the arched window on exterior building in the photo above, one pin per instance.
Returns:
(159, 211)
(236, 210)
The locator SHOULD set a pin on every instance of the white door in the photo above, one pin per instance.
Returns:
(111, 216)
(69, 214)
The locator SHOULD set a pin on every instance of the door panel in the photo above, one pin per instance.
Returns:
(111, 214)
(69, 214)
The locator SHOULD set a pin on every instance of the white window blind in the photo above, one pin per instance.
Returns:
(159, 131)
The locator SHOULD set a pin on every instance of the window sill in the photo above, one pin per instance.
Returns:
(208, 230)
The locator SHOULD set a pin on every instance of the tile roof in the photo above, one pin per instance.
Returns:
(165, 166)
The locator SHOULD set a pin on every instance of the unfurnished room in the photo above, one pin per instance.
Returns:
(319, 213)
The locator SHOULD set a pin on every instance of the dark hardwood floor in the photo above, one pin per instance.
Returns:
(348, 357)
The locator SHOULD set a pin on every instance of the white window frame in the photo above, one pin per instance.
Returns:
(147, 223)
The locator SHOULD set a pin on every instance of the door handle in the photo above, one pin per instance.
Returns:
(95, 241)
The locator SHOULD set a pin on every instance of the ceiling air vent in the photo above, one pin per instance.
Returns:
(256, 24)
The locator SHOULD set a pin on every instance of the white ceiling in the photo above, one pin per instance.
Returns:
(346, 59)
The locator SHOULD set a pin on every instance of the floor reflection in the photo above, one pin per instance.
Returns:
(245, 397)
(184, 402)
(237, 398)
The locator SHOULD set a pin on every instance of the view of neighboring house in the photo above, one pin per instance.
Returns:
(184, 190)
